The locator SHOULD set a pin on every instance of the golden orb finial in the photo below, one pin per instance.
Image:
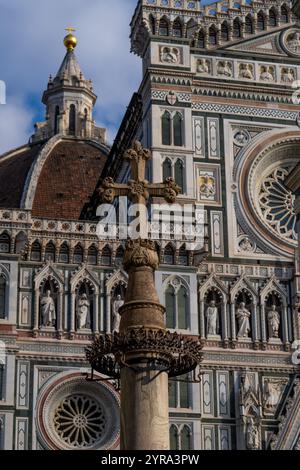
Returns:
(70, 41)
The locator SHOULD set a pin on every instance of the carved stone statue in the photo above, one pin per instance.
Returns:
(293, 42)
(224, 68)
(48, 312)
(273, 322)
(267, 74)
(243, 316)
(212, 319)
(170, 55)
(272, 393)
(83, 312)
(287, 75)
(252, 435)
(203, 66)
(118, 303)
(246, 71)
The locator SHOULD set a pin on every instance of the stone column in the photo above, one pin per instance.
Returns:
(144, 410)
(263, 323)
(233, 326)
(72, 318)
(254, 323)
(96, 314)
(202, 319)
(224, 321)
(285, 328)
(36, 310)
(60, 314)
(108, 312)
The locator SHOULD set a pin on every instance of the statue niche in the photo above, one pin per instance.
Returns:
(243, 315)
(84, 307)
(273, 309)
(48, 304)
(117, 302)
(213, 307)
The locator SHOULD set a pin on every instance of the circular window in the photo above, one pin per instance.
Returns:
(74, 414)
(291, 41)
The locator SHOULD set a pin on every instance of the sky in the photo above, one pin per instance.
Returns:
(31, 48)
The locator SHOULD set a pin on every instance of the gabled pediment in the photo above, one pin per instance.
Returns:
(269, 43)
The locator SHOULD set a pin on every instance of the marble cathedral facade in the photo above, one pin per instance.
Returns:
(216, 107)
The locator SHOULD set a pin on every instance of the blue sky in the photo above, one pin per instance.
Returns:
(31, 48)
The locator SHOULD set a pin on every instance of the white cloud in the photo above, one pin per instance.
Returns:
(15, 125)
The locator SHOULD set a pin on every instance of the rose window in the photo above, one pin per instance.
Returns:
(277, 204)
(80, 421)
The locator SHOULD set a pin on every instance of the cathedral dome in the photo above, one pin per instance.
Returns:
(53, 179)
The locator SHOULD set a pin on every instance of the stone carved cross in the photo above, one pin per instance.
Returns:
(138, 189)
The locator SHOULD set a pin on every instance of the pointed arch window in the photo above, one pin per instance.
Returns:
(170, 308)
(169, 256)
(177, 129)
(92, 255)
(119, 256)
(72, 119)
(183, 256)
(56, 120)
(174, 438)
(201, 40)
(20, 243)
(4, 243)
(2, 297)
(224, 32)
(64, 254)
(163, 27)
(36, 252)
(212, 36)
(284, 14)
(260, 21)
(185, 438)
(166, 128)
(249, 25)
(50, 252)
(237, 29)
(177, 29)
(78, 254)
(152, 24)
(182, 302)
(106, 256)
(167, 169)
(179, 174)
(177, 306)
(272, 17)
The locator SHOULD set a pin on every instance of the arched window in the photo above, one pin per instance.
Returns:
(72, 119)
(166, 128)
(152, 24)
(167, 169)
(260, 21)
(50, 252)
(174, 438)
(249, 25)
(224, 32)
(4, 243)
(173, 398)
(170, 308)
(237, 30)
(20, 243)
(179, 175)
(182, 302)
(2, 297)
(183, 256)
(169, 255)
(180, 392)
(56, 120)
(78, 254)
(201, 40)
(190, 29)
(106, 256)
(92, 255)
(177, 129)
(212, 36)
(35, 251)
(284, 14)
(185, 438)
(177, 29)
(272, 17)
(163, 27)
(64, 254)
(119, 256)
